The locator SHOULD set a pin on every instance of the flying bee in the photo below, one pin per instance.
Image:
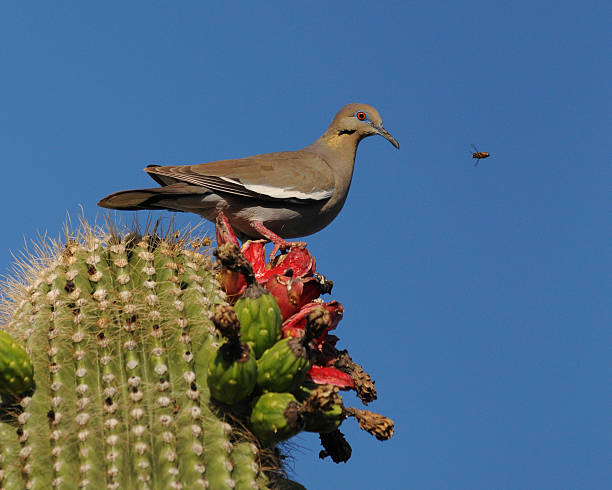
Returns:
(478, 155)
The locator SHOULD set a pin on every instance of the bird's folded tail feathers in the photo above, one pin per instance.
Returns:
(136, 199)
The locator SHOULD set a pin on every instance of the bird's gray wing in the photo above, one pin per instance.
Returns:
(295, 176)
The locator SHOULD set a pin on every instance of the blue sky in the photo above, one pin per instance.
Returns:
(478, 298)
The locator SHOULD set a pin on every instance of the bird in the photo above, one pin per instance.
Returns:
(274, 196)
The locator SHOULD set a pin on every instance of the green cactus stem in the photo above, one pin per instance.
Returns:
(111, 324)
(16, 370)
(122, 365)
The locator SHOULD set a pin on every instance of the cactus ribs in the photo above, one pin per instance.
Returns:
(132, 361)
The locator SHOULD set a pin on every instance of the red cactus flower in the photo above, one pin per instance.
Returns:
(297, 262)
(291, 279)
(254, 251)
(294, 326)
(329, 376)
(294, 293)
(291, 275)
(233, 283)
(286, 292)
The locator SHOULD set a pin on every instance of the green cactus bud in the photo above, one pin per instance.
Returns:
(276, 417)
(232, 372)
(322, 407)
(260, 319)
(325, 421)
(16, 370)
(303, 391)
(283, 366)
(259, 314)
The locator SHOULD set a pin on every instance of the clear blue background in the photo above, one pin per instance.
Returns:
(478, 298)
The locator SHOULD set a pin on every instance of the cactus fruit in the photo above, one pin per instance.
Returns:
(276, 417)
(259, 315)
(323, 410)
(133, 384)
(232, 370)
(324, 422)
(290, 277)
(260, 319)
(283, 366)
(16, 370)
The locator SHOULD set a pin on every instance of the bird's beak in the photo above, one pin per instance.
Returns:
(385, 134)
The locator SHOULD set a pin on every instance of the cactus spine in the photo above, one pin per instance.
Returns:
(145, 377)
(111, 325)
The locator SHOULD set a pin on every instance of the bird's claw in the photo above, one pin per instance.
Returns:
(279, 243)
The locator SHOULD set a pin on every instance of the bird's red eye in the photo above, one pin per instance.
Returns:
(361, 116)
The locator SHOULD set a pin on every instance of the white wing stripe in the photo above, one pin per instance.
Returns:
(280, 193)
(227, 179)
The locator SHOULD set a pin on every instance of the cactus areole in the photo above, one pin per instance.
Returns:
(138, 361)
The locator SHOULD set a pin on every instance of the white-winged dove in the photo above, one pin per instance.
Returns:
(275, 195)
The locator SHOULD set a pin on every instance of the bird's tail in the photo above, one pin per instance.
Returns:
(130, 200)
(156, 198)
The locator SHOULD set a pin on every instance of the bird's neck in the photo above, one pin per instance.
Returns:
(338, 150)
(344, 141)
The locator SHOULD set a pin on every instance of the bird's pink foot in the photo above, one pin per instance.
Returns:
(279, 243)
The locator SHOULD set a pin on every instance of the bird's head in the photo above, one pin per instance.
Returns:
(361, 120)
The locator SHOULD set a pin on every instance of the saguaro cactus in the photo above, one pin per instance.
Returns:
(119, 332)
